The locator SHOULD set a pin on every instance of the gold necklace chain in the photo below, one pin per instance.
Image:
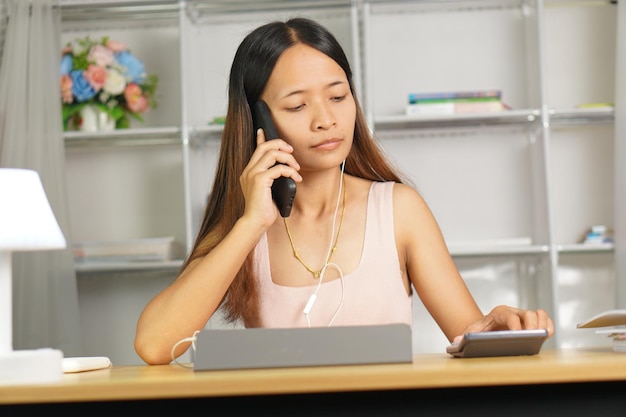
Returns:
(317, 273)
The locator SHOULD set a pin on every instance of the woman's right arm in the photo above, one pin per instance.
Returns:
(189, 302)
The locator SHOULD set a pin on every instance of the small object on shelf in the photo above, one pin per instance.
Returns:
(486, 101)
(595, 105)
(454, 95)
(103, 74)
(94, 119)
(218, 120)
(598, 234)
(132, 250)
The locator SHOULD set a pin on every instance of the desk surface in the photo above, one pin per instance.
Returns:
(427, 371)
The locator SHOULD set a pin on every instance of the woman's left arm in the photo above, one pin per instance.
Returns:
(436, 279)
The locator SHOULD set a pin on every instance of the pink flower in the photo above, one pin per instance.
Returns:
(96, 76)
(101, 55)
(116, 46)
(135, 99)
(138, 105)
(66, 88)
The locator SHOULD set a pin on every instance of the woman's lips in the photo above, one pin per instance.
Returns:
(328, 145)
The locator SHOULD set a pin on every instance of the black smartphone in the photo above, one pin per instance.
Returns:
(283, 188)
(499, 343)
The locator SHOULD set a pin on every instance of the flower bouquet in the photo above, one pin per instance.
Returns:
(104, 74)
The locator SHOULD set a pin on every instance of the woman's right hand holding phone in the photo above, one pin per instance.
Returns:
(270, 160)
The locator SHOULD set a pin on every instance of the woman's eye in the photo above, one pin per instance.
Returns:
(296, 108)
(338, 98)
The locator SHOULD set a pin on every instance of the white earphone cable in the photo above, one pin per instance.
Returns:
(191, 339)
(311, 301)
(313, 297)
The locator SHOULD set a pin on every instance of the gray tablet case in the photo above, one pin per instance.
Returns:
(499, 343)
(275, 348)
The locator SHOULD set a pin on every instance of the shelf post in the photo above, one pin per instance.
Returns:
(620, 160)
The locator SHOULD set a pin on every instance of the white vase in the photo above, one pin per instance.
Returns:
(94, 119)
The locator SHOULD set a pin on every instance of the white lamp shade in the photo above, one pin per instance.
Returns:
(27, 222)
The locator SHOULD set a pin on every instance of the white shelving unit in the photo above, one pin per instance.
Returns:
(482, 174)
(581, 157)
(127, 184)
(543, 171)
(513, 191)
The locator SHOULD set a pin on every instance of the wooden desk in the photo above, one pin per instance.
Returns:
(443, 383)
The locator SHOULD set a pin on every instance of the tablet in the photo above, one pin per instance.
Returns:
(499, 343)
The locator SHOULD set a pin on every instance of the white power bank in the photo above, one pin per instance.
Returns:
(85, 363)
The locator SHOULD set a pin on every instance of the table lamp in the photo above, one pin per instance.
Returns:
(27, 223)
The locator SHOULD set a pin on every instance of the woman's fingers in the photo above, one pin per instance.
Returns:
(272, 152)
(511, 318)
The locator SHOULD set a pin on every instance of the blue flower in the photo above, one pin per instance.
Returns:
(67, 62)
(81, 88)
(135, 71)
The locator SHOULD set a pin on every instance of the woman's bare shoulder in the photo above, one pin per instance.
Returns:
(412, 215)
(407, 198)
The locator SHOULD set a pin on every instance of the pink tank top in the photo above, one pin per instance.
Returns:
(372, 294)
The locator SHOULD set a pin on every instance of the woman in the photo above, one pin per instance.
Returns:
(357, 240)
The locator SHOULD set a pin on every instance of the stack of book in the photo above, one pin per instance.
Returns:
(483, 101)
(133, 250)
(598, 234)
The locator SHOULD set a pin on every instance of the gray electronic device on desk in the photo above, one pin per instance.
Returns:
(499, 343)
(218, 349)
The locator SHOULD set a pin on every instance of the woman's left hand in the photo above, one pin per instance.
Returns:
(511, 318)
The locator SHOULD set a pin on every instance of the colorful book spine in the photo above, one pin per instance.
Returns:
(452, 107)
(479, 95)
(483, 101)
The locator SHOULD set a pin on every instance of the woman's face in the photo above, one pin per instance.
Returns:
(312, 106)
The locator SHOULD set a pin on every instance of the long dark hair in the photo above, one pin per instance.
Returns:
(251, 68)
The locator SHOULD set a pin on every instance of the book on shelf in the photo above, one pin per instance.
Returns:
(597, 235)
(486, 101)
(454, 108)
(454, 95)
(143, 249)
